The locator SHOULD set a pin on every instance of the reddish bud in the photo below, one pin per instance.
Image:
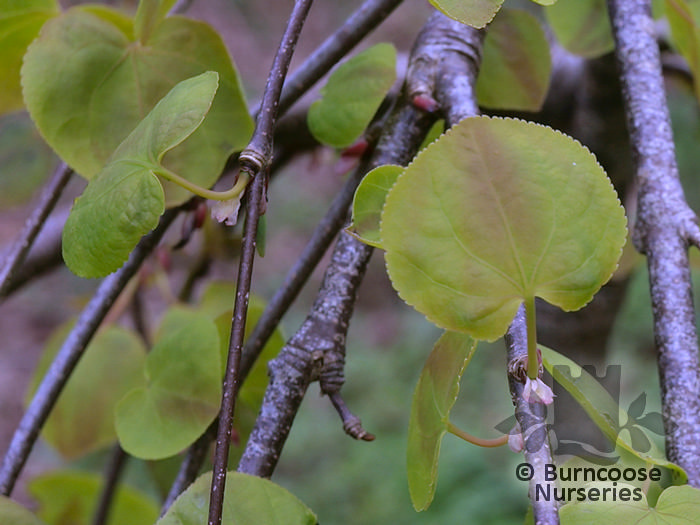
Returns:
(426, 103)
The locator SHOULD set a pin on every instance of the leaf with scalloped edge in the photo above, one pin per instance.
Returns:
(435, 394)
(495, 212)
(368, 203)
(82, 420)
(475, 13)
(12, 513)
(516, 64)
(183, 390)
(352, 96)
(125, 200)
(582, 27)
(20, 22)
(247, 499)
(675, 506)
(88, 82)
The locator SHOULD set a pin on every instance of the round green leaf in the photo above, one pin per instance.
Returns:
(125, 200)
(183, 390)
(497, 211)
(67, 497)
(435, 394)
(20, 21)
(516, 64)
(368, 203)
(88, 82)
(582, 26)
(82, 420)
(352, 96)
(476, 13)
(247, 499)
(676, 506)
(12, 513)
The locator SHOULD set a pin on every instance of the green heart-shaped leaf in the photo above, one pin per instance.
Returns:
(368, 203)
(20, 21)
(183, 391)
(66, 497)
(604, 411)
(495, 212)
(435, 394)
(516, 64)
(12, 513)
(247, 499)
(352, 95)
(676, 506)
(82, 420)
(125, 200)
(476, 13)
(582, 27)
(88, 81)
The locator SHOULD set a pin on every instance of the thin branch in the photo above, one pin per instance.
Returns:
(320, 341)
(254, 160)
(320, 240)
(114, 470)
(662, 228)
(32, 227)
(354, 30)
(68, 356)
(532, 420)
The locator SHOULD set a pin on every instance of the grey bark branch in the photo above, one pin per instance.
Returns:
(663, 227)
(254, 159)
(453, 82)
(322, 334)
(532, 418)
(70, 353)
(49, 196)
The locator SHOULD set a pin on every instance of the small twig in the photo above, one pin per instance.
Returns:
(354, 30)
(532, 420)
(68, 356)
(32, 227)
(665, 224)
(254, 160)
(114, 470)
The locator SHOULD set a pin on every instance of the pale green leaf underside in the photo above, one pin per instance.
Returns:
(475, 13)
(516, 63)
(676, 506)
(82, 420)
(183, 389)
(352, 95)
(494, 212)
(247, 500)
(125, 200)
(582, 26)
(12, 513)
(20, 22)
(603, 410)
(368, 203)
(101, 83)
(435, 394)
